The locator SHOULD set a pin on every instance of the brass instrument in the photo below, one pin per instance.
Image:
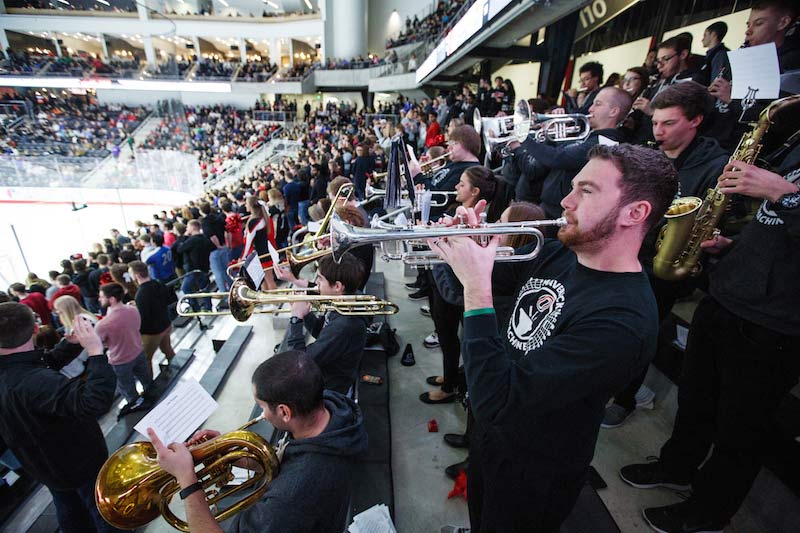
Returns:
(432, 165)
(345, 237)
(244, 302)
(309, 251)
(132, 489)
(552, 127)
(690, 220)
(439, 198)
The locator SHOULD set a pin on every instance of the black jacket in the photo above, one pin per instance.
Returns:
(565, 162)
(338, 348)
(759, 278)
(699, 166)
(152, 300)
(50, 421)
(195, 251)
(312, 490)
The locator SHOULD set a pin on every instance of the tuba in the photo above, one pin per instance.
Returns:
(132, 490)
(690, 220)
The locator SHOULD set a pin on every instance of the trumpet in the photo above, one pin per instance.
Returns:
(244, 302)
(132, 489)
(439, 198)
(432, 164)
(345, 237)
(552, 127)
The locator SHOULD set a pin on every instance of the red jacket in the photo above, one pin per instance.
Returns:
(70, 290)
(433, 135)
(38, 303)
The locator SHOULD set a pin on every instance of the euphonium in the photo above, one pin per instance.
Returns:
(132, 490)
(690, 220)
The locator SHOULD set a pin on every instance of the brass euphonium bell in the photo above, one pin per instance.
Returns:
(133, 490)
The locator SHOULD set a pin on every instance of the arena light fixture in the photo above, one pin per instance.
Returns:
(103, 2)
(65, 2)
(224, 3)
(308, 3)
(271, 4)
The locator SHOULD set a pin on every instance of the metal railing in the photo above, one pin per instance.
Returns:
(275, 116)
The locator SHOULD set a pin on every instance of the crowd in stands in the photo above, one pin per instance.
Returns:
(219, 135)
(214, 68)
(120, 6)
(297, 71)
(24, 62)
(256, 71)
(72, 127)
(173, 68)
(358, 62)
(417, 30)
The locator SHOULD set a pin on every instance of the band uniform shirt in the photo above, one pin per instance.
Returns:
(576, 337)
(49, 421)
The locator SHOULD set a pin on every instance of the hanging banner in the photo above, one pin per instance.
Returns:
(598, 12)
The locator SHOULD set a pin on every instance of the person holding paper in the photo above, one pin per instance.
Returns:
(311, 492)
(340, 339)
(49, 421)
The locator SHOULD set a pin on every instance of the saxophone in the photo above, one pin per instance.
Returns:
(691, 220)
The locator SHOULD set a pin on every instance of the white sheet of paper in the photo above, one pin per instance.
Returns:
(273, 254)
(605, 141)
(755, 67)
(255, 271)
(178, 415)
(313, 227)
(376, 519)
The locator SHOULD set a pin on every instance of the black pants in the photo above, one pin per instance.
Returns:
(734, 375)
(447, 318)
(510, 493)
(77, 512)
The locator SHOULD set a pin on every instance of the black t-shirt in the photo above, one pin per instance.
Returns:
(194, 251)
(214, 224)
(152, 300)
(574, 336)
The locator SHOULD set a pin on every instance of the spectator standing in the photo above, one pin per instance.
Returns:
(213, 224)
(49, 421)
(196, 250)
(34, 300)
(234, 230)
(152, 301)
(81, 279)
(66, 287)
(119, 331)
(160, 263)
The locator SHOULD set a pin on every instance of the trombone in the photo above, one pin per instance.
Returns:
(244, 302)
(425, 166)
(297, 260)
(345, 237)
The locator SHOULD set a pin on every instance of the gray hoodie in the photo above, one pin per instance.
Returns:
(311, 492)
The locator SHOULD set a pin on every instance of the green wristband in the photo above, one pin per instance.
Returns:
(481, 311)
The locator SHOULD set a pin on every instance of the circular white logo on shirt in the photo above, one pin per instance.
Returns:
(535, 313)
(769, 217)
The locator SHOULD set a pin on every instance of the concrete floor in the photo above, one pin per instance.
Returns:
(419, 457)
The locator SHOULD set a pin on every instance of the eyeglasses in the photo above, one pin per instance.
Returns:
(662, 60)
(632, 78)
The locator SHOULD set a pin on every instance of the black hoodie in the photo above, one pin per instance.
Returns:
(339, 345)
(312, 489)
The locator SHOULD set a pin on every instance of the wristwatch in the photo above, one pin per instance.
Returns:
(295, 320)
(790, 200)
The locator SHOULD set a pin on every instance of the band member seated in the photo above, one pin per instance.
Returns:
(740, 362)
(49, 421)
(610, 106)
(464, 145)
(312, 490)
(584, 322)
(340, 339)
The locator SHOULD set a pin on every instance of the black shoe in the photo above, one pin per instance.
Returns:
(408, 356)
(456, 440)
(425, 397)
(452, 471)
(432, 380)
(414, 285)
(680, 518)
(419, 295)
(651, 475)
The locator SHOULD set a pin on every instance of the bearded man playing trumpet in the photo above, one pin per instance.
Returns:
(584, 322)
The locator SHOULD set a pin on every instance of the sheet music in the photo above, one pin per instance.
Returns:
(313, 227)
(178, 415)
(755, 67)
(376, 519)
(273, 254)
(605, 141)
(254, 271)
